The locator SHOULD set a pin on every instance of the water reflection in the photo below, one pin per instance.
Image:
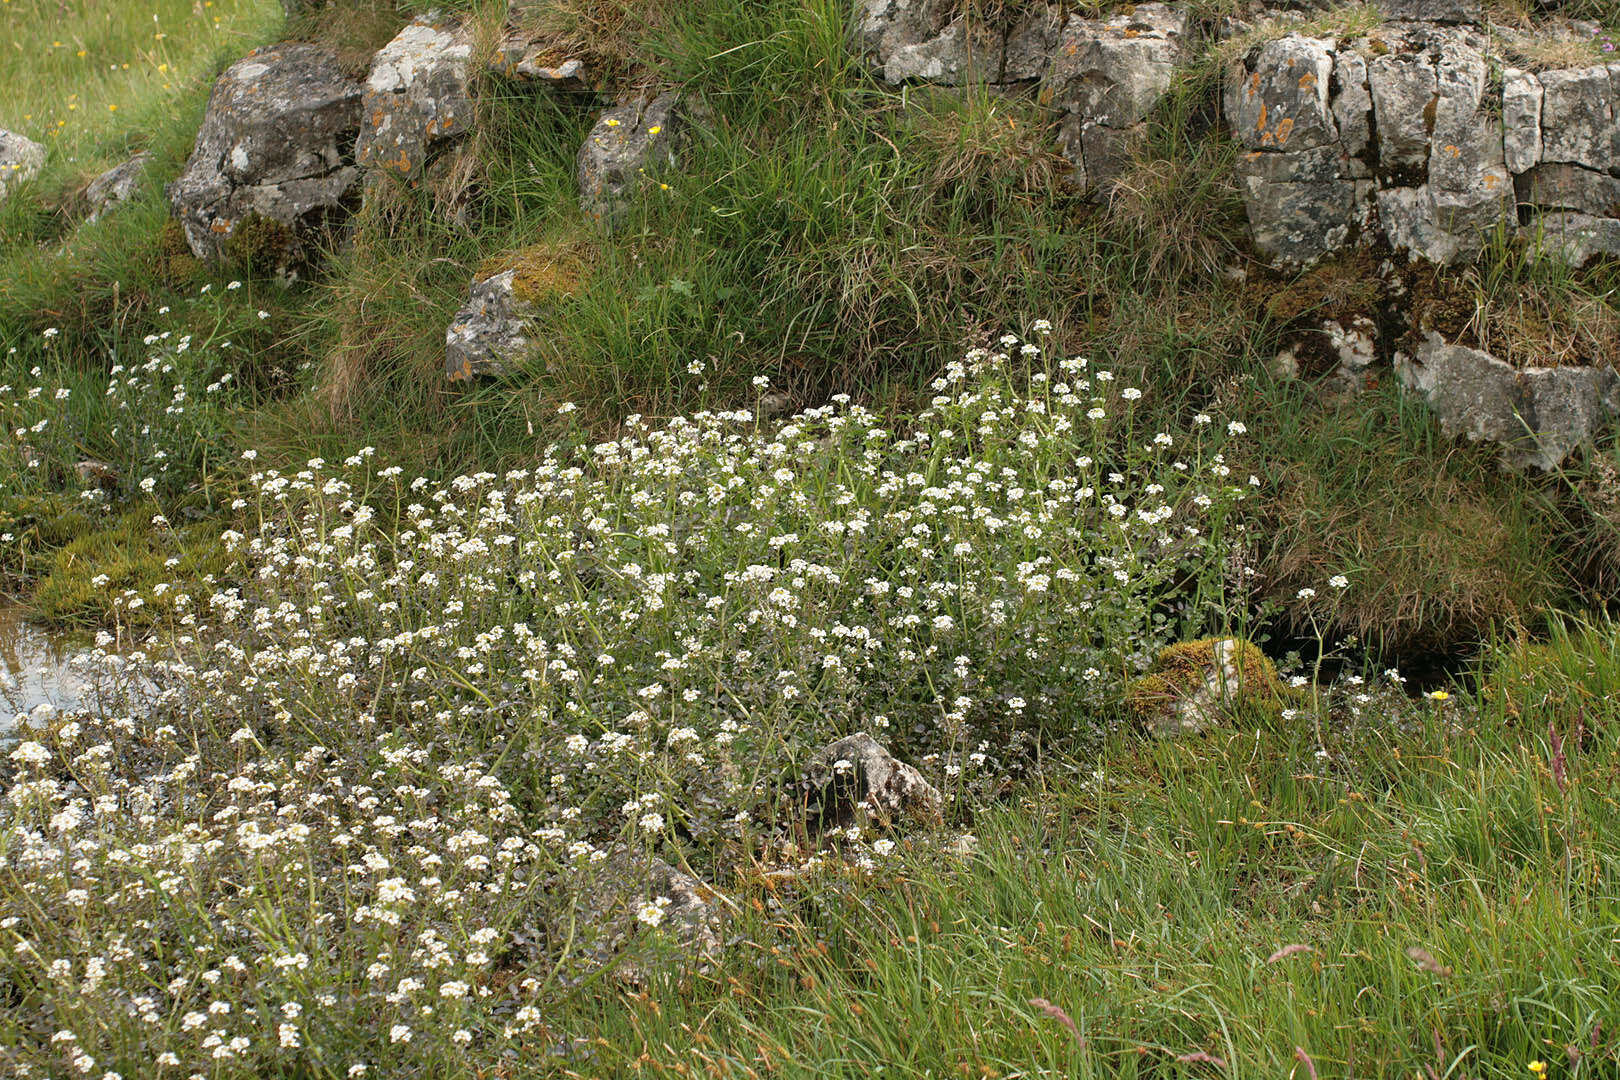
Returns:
(35, 669)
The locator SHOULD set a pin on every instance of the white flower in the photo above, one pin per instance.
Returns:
(1236, 427)
(1339, 581)
(651, 912)
(1306, 593)
(397, 1034)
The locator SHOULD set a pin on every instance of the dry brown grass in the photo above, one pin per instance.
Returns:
(353, 29)
(1546, 325)
(608, 36)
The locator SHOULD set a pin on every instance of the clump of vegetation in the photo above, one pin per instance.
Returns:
(1574, 671)
(1193, 685)
(542, 272)
(690, 608)
(136, 573)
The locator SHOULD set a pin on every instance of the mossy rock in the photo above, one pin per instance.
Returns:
(1193, 685)
(134, 555)
(542, 272)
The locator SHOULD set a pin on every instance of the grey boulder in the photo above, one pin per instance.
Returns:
(21, 159)
(117, 185)
(492, 331)
(856, 781)
(417, 94)
(625, 150)
(1106, 76)
(276, 144)
(1539, 416)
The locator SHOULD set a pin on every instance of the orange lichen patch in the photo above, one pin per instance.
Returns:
(1307, 80)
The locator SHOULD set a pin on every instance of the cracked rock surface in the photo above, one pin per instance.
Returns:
(276, 142)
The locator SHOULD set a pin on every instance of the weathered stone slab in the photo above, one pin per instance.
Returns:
(416, 95)
(117, 185)
(1538, 415)
(276, 143)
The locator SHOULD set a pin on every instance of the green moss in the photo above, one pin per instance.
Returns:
(176, 265)
(36, 526)
(1180, 670)
(262, 245)
(135, 557)
(545, 271)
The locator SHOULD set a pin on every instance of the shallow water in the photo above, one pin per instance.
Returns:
(35, 670)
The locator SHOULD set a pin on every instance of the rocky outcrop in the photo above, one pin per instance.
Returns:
(856, 781)
(498, 326)
(116, 185)
(275, 146)
(417, 95)
(627, 148)
(936, 41)
(1538, 415)
(21, 159)
(1405, 135)
(1106, 75)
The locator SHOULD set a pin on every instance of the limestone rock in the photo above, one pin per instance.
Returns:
(1578, 116)
(275, 144)
(416, 95)
(1561, 186)
(116, 185)
(628, 144)
(1352, 107)
(491, 331)
(1405, 90)
(1106, 76)
(1194, 685)
(1521, 120)
(927, 41)
(1279, 100)
(1442, 11)
(1538, 415)
(1355, 343)
(857, 781)
(1575, 239)
(21, 159)
(519, 55)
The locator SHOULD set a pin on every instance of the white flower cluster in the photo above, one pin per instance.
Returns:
(311, 831)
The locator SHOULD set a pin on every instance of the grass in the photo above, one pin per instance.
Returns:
(90, 79)
(1431, 902)
(1429, 890)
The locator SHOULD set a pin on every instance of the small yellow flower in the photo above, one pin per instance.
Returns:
(112, 108)
(1439, 695)
(655, 129)
(610, 122)
(1538, 1067)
